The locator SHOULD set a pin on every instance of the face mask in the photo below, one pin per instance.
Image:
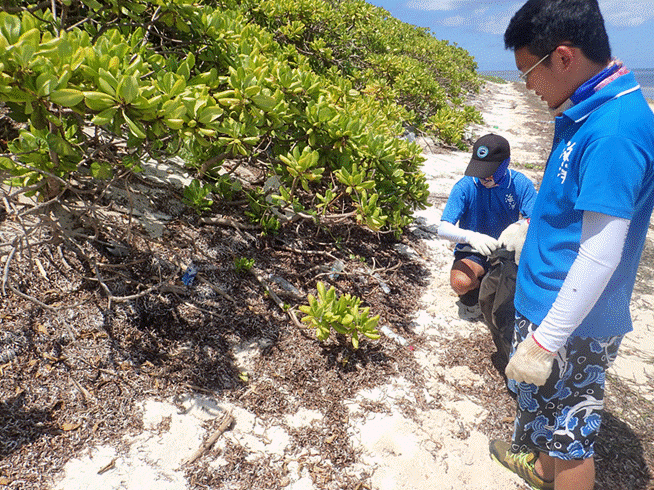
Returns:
(501, 172)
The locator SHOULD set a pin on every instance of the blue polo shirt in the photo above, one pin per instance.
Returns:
(603, 161)
(489, 211)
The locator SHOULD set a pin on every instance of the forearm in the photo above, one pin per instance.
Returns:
(600, 252)
(449, 231)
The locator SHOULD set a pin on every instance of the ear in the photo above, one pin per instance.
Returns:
(564, 56)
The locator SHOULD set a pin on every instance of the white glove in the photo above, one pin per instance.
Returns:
(483, 244)
(513, 238)
(530, 363)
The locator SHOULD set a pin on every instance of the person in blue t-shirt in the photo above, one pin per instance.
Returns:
(584, 242)
(488, 199)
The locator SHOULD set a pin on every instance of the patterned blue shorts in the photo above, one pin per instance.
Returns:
(478, 258)
(562, 417)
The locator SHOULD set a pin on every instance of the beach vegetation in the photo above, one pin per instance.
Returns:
(342, 315)
(313, 92)
(494, 79)
(243, 264)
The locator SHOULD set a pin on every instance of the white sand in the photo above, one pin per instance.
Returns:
(435, 449)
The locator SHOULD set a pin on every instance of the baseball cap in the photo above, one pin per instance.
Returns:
(488, 153)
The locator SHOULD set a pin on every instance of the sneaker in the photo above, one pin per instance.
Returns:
(522, 464)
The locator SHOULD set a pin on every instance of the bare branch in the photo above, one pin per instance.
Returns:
(228, 222)
(31, 298)
(280, 304)
(225, 422)
(123, 299)
(5, 274)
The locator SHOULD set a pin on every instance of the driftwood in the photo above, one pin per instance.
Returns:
(226, 421)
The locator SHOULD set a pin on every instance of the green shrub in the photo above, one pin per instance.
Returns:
(342, 314)
(243, 264)
(197, 195)
(312, 92)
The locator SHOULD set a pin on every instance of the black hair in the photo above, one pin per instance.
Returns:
(542, 25)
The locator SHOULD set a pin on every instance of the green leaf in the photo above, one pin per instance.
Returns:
(128, 88)
(178, 87)
(209, 114)
(62, 82)
(45, 83)
(107, 82)
(31, 38)
(264, 102)
(102, 170)
(67, 97)
(10, 27)
(143, 104)
(99, 101)
(92, 4)
(184, 69)
(181, 25)
(60, 145)
(104, 117)
(355, 339)
(134, 127)
(77, 59)
(18, 96)
(175, 124)
(320, 286)
(7, 163)
(39, 117)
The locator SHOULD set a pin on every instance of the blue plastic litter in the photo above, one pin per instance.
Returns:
(189, 275)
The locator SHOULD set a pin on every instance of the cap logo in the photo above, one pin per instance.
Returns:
(482, 152)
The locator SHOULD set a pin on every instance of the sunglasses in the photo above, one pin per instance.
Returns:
(523, 76)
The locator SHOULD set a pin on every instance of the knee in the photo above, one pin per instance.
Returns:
(462, 283)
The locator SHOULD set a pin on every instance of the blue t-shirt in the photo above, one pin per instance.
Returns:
(489, 211)
(602, 161)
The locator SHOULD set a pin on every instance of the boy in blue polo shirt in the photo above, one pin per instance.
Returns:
(488, 199)
(584, 243)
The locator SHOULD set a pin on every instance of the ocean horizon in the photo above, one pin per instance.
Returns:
(644, 76)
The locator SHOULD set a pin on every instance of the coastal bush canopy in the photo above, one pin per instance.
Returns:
(312, 96)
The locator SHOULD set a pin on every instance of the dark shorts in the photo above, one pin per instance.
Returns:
(478, 258)
(562, 417)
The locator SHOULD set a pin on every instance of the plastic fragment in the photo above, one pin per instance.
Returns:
(189, 275)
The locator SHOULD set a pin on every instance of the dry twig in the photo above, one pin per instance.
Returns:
(228, 222)
(276, 299)
(225, 422)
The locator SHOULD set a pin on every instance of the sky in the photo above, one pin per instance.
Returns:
(478, 27)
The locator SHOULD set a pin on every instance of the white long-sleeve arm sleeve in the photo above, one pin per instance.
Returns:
(600, 251)
(451, 232)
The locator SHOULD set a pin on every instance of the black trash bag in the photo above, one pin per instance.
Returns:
(496, 293)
